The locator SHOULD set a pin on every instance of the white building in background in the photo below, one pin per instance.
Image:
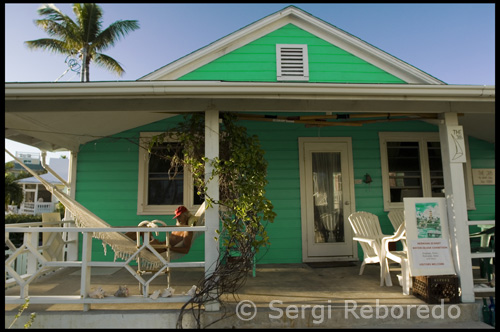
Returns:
(37, 199)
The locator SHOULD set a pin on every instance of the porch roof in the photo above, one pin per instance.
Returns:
(61, 116)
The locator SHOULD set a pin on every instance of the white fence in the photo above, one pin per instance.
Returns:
(34, 208)
(37, 265)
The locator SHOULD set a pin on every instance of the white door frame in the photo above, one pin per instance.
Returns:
(303, 204)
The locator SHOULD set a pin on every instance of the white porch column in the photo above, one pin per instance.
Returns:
(35, 207)
(454, 184)
(211, 214)
(72, 248)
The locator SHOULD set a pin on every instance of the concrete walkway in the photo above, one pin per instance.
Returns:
(280, 296)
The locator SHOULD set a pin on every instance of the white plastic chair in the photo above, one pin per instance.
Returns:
(400, 257)
(367, 232)
(397, 218)
(484, 235)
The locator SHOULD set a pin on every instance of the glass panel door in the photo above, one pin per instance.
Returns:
(326, 177)
(327, 194)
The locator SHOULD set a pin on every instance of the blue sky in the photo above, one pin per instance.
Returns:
(452, 42)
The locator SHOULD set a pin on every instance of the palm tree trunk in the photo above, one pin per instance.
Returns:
(84, 65)
(85, 73)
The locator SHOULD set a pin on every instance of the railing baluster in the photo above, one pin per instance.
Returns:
(86, 269)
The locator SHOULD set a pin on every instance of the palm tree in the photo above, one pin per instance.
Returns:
(13, 191)
(84, 37)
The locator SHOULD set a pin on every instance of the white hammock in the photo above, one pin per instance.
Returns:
(123, 246)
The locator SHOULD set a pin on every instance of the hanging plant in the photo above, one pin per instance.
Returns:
(244, 209)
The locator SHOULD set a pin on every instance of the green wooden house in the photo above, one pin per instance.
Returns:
(345, 126)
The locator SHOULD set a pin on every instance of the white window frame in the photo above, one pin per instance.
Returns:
(422, 138)
(142, 189)
(283, 75)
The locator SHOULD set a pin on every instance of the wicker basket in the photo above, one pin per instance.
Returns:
(433, 289)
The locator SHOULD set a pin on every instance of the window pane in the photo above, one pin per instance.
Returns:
(164, 188)
(405, 177)
(165, 192)
(436, 168)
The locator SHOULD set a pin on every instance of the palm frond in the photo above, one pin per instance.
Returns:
(113, 33)
(56, 24)
(57, 29)
(107, 62)
(52, 45)
(54, 20)
(89, 17)
(52, 12)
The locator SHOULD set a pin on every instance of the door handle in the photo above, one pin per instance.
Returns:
(347, 203)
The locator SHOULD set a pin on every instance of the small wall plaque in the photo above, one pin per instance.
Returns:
(483, 176)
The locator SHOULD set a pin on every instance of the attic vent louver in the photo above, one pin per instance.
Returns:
(292, 62)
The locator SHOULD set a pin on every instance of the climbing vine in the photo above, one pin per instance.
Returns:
(244, 209)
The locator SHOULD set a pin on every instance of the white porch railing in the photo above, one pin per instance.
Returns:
(37, 265)
(484, 286)
(20, 264)
(34, 208)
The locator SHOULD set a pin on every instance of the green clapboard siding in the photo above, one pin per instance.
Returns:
(256, 61)
(482, 155)
(108, 171)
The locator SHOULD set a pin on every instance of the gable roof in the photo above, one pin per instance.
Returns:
(34, 167)
(305, 21)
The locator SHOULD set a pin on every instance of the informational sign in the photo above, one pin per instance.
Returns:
(427, 236)
(483, 176)
(29, 158)
(457, 144)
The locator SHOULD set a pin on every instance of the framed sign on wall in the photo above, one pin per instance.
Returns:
(428, 237)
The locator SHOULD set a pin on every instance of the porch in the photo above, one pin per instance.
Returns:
(293, 285)
(283, 295)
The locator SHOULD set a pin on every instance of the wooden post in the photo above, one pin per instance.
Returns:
(71, 237)
(454, 184)
(86, 271)
(211, 214)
